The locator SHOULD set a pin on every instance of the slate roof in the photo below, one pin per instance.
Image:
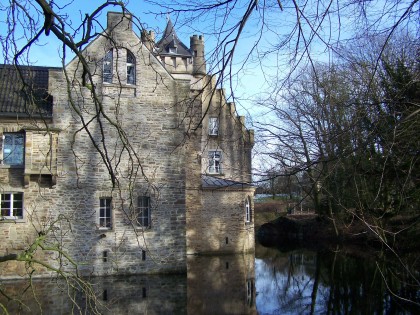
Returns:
(216, 182)
(171, 40)
(24, 93)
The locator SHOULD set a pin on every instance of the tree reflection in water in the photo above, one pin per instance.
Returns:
(331, 282)
(293, 282)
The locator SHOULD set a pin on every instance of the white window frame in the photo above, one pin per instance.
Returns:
(213, 126)
(13, 149)
(107, 67)
(143, 214)
(131, 65)
(215, 162)
(15, 205)
(248, 214)
(105, 213)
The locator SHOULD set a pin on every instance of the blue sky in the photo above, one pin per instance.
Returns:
(258, 72)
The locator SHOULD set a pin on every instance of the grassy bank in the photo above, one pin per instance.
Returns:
(268, 209)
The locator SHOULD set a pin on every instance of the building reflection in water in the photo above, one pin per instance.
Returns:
(221, 284)
(214, 285)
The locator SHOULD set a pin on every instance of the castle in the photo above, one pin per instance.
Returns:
(127, 160)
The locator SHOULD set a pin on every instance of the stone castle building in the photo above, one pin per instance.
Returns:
(127, 160)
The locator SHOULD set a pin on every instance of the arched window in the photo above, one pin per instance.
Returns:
(131, 68)
(107, 67)
(248, 210)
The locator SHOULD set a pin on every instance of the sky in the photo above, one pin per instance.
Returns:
(48, 50)
(276, 40)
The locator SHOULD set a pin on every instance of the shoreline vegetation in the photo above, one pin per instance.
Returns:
(277, 225)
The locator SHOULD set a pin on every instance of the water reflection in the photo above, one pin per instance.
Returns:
(152, 294)
(325, 282)
(214, 285)
(270, 282)
(221, 285)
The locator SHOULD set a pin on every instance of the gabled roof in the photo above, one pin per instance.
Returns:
(170, 40)
(216, 182)
(24, 92)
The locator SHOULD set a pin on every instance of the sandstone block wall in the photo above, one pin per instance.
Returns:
(220, 225)
(233, 140)
(124, 141)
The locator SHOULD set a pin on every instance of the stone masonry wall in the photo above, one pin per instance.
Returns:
(233, 139)
(137, 134)
(39, 200)
(220, 226)
(126, 145)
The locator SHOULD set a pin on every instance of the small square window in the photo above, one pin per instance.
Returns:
(12, 205)
(143, 211)
(13, 148)
(105, 215)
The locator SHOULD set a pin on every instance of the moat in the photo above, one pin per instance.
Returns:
(297, 281)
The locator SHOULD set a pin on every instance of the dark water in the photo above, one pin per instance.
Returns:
(333, 282)
(271, 282)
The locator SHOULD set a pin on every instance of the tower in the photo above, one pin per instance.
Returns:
(197, 49)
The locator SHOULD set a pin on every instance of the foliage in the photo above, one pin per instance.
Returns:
(351, 128)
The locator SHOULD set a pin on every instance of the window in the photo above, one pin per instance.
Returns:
(213, 126)
(13, 148)
(215, 158)
(247, 210)
(143, 211)
(107, 67)
(12, 205)
(105, 219)
(131, 68)
(172, 50)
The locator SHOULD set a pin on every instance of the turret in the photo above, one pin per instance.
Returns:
(197, 49)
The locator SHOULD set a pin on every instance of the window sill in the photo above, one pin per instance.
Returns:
(119, 85)
(103, 229)
(11, 220)
(5, 166)
(249, 223)
(142, 228)
(218, 174)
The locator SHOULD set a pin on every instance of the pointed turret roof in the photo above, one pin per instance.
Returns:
(170, 44)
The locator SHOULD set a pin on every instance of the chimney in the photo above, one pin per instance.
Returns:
(148, 39)
(119, 20)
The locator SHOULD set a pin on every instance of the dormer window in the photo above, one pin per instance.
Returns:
(213, 126)
(131, 68)
(107, 67)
